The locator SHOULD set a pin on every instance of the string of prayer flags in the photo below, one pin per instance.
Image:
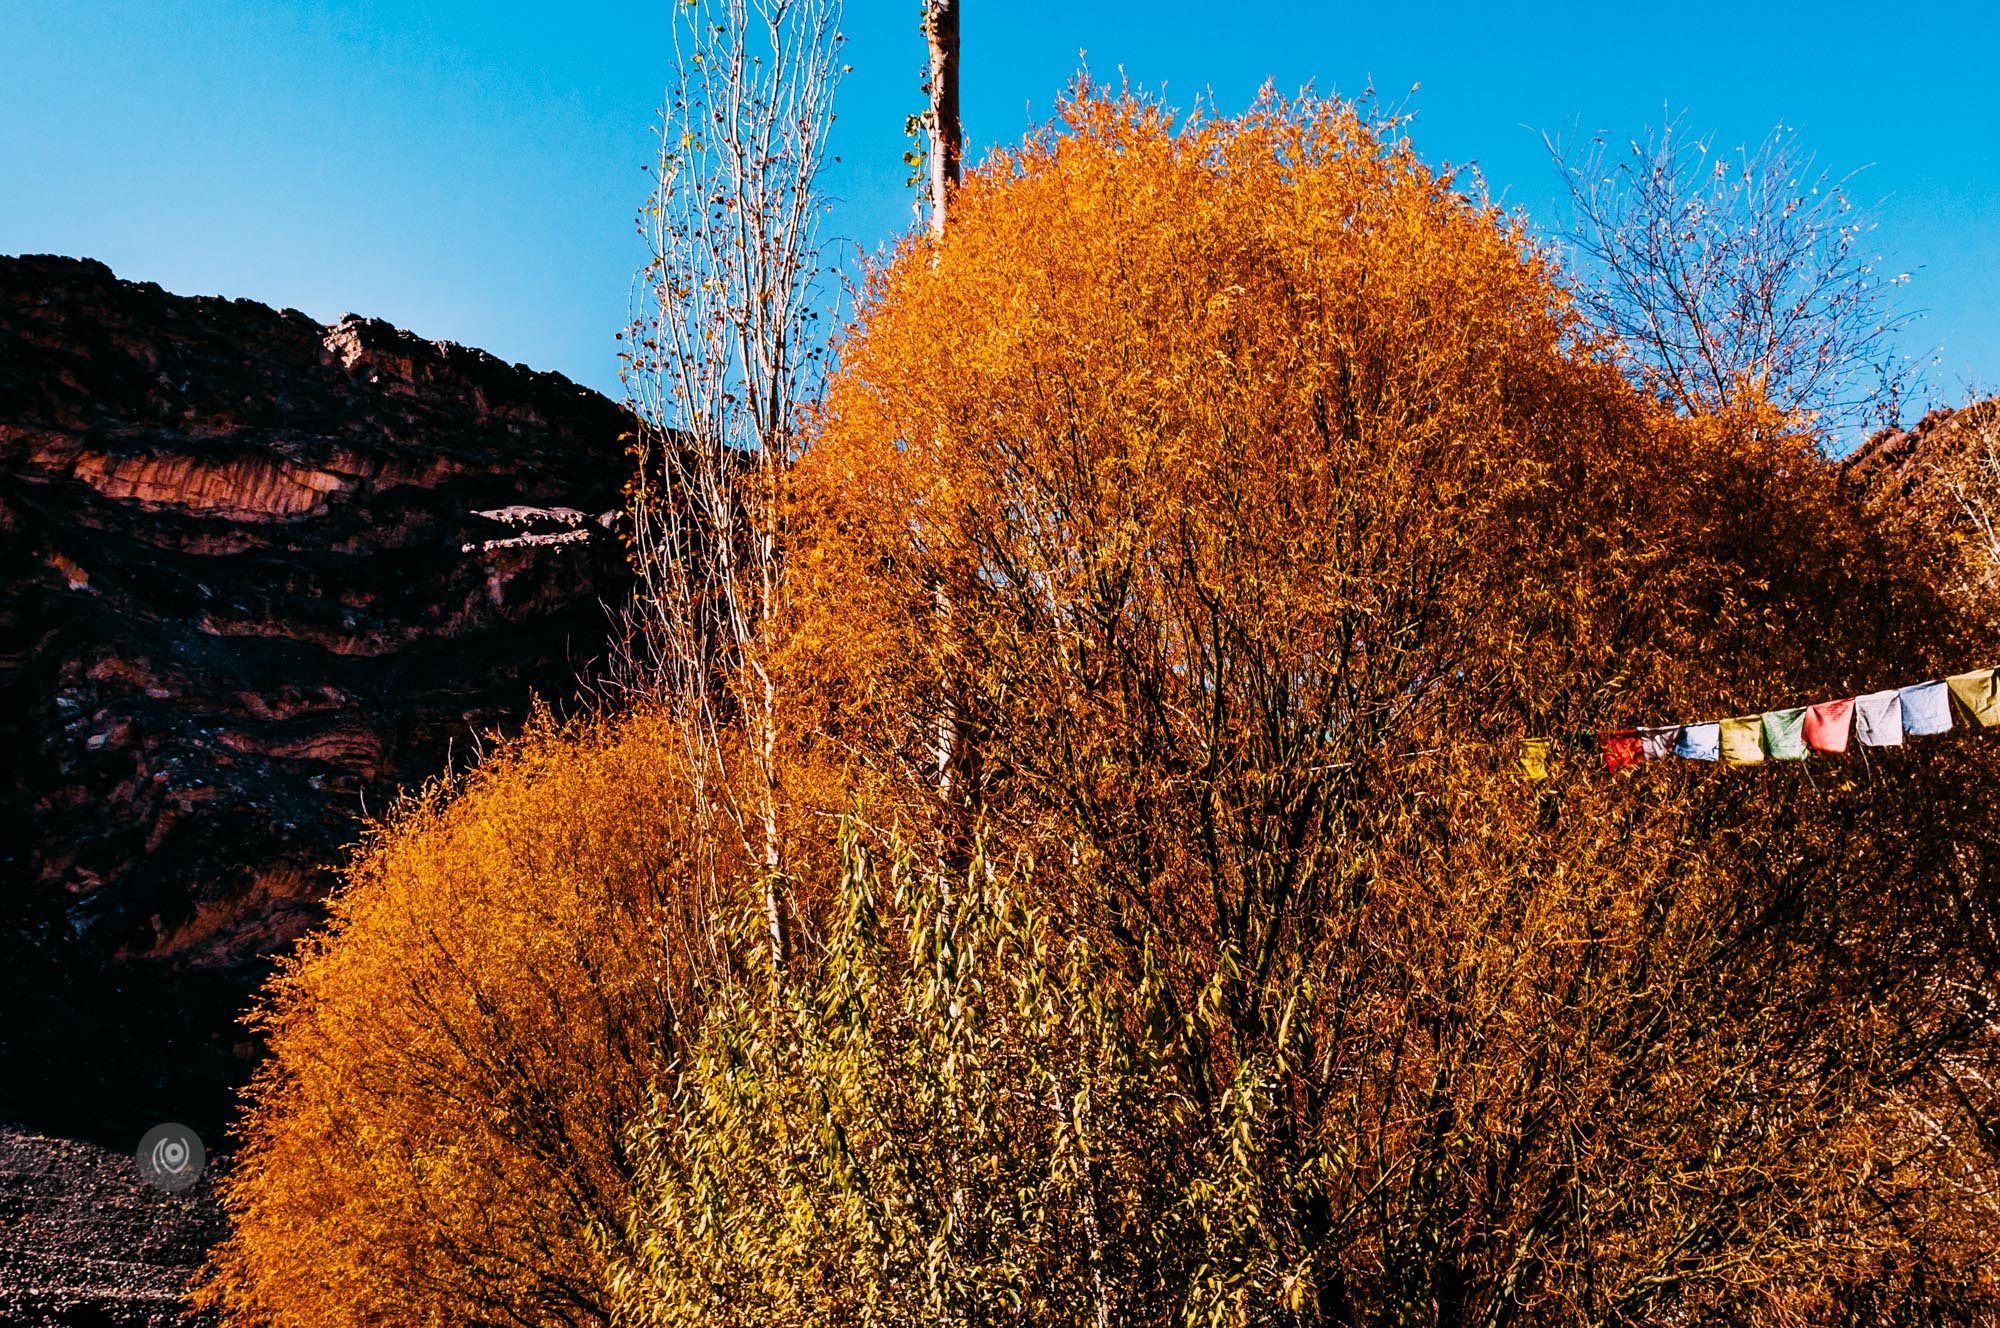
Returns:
(1926, 709)
(1979, 692)
(1743, 740)
(1792, 733)
(1828, 725)
(1878, 719)
(1785, 734)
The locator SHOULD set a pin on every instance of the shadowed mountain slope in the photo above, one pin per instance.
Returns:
(237, 607)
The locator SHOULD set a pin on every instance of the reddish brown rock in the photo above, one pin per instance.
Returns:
(1944, 473)
(1926, 462)
(236, 609)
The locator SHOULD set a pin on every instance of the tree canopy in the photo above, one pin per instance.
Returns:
(1187, 540)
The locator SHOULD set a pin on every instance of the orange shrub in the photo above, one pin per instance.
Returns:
(1208, 515)
(455, 1061)
(1255, 444)
(1195, 529)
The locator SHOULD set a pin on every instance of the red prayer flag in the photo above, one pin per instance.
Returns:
(1828, 725)
(1621, 747)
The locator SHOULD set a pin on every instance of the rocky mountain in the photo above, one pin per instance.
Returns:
(1929, 461)
(1943, 471)
(245, 596)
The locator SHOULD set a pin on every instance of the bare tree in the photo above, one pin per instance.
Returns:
(728, 347)
(1727, 273)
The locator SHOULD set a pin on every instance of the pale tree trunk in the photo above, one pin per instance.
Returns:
(947, 131)
(947, 147)
(1979, 498)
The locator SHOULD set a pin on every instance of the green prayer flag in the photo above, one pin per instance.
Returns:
(1784, 734)
(1743, 740)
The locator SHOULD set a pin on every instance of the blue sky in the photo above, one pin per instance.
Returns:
(470, 171)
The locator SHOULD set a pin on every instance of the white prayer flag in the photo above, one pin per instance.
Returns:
(1700, 742)
(1878, 719)
(1659, 743)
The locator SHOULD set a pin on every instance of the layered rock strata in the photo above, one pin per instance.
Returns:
(245, 597)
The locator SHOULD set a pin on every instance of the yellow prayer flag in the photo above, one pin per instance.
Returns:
(1979, 692)
(1535, 755)
(1743, 740)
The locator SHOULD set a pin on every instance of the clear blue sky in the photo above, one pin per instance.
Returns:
(470, 171)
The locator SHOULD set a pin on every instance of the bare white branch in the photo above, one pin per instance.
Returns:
(728, 348)
(1723, 274)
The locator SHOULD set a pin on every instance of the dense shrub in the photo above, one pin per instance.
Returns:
(952, 1119)
(1208, 516)
(456, 1060)
(1553, 1074)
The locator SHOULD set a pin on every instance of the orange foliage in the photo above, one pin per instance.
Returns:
(1210, 513)
(440, 1129)
(1199, 525)
(1267, 403)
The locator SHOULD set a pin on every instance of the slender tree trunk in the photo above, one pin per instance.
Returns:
(947, 133)
(947, 147)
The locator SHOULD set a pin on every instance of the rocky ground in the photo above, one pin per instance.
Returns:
(84, 1243)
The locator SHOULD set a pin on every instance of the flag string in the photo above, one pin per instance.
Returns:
(1873, 719)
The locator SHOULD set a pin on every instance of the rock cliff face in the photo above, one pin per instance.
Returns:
(1943, 471)
(1924, 462)
(237, 609)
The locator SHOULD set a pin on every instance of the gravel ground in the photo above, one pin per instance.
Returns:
(84, 1243)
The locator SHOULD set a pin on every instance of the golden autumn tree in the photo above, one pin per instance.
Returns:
(440, 1131)
(1208, 516)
